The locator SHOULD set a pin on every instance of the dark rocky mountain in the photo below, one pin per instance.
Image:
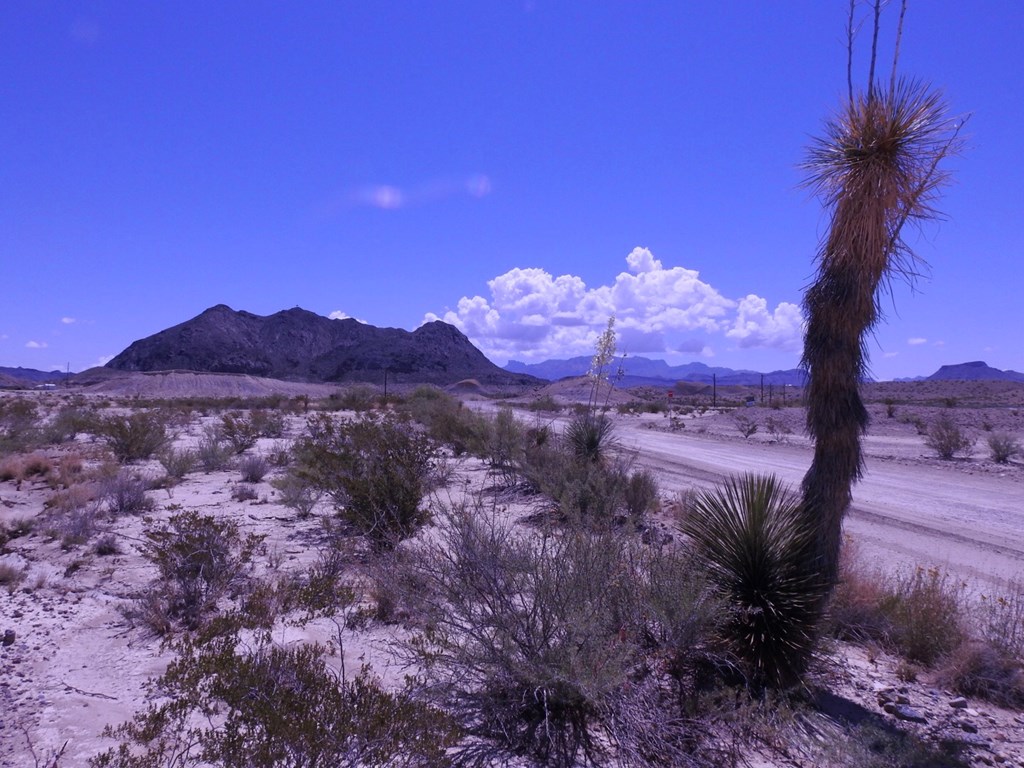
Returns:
(296, 344)
(641, 371)
(974, 371)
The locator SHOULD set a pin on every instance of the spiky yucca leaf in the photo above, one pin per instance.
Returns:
(590, 435)
(757, 545)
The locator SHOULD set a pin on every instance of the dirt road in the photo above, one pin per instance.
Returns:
(902, 514)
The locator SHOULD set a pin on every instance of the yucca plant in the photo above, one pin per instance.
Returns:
(752, 535)
(876, 168)
(589, 435)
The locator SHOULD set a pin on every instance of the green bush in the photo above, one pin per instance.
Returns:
(534, 643)
(178, 462)
(757, 547)
(374, 468)
(1003, 447)
(277, 707)
(947, 439)
(136, 436)
(239, 431)
(19, 428)
(212, 451)
(447, 420)
(200, 560)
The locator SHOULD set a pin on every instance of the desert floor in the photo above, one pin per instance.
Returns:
(77, 665)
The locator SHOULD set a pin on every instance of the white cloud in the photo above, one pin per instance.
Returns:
(532, 314)
(36, 345)
(67, 320)
(939, 343)
(917, 341)
(756, 326)
(890, 354)
(104, 359)
(339, 315)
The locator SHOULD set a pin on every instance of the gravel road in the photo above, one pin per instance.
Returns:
(903, 514)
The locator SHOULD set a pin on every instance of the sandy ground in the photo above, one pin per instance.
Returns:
(76, 666)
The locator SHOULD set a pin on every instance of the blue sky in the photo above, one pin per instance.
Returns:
(521, 168)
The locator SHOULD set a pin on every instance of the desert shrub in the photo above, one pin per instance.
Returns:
(533, 645)
(36, 465)
(125, 494)
(15, 529)
(238, 431)
(107, 545)
(297, 493)
(358, 398)
(746, 425)
(504, 446)
(253, 468)
(10, 576)
(640, 494)
(19, 429)
(178, 462)
(267, 423)
(447, 420)
(978, 668)
(244, 492)
(278, 707)
(136, 436)
(757, 548)
(919, 614)
(947, 439)
(212, 451)
(890, 407)
(200, 560)
(544, 404)
(1001, 619)
(66, 424)
(1003, 447)
(777, 429)
(375, 470)
(12, 468)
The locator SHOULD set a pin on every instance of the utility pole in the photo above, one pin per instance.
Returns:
(762, 389)
(714, 390)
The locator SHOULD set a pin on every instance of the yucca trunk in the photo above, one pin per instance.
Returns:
(876, 168)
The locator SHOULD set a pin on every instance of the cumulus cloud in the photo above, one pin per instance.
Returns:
(532, 314)
(104, 359)
(917, 341)
(757, 326)
(339, 315)
(67, 320)
(36, 345)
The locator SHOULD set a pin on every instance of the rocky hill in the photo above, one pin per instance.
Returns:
(974, 371)
(296, 344)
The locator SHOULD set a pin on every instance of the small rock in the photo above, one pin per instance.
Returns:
(902, 699)
(958, 703)
(8, 638)
(909, 714)
(968, 727)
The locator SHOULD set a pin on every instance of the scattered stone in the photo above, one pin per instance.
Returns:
(902, 699)
(958, 703)
(907, 713)
(968, 727)
(8, 638)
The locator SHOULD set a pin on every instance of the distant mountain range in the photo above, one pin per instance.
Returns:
(975, 371)
(642, 371)
(296, 344)
(15, 377)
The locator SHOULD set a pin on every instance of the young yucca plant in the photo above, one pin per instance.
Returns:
(756, 543)
(589, 435)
